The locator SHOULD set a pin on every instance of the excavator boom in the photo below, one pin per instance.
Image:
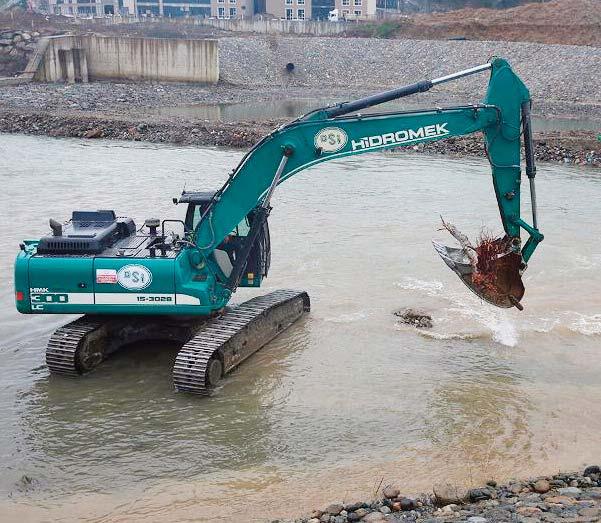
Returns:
(336, 132)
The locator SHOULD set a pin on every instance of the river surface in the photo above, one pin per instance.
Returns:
(293, 108)
(344, 400)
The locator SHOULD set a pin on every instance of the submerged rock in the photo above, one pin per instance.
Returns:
(415, 317)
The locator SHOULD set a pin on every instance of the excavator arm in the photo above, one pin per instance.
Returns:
(338, 131)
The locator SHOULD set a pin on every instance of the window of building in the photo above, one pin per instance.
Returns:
(232, 1)
(221, 12)
(357, 12)
(232, 12)
(300, 2)
(345, 12)
(288, 2)
(301, 14)
(346, 2)
(357, 2)
(221, 1)
(288, 13)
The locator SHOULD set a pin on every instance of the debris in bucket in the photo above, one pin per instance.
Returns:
(495, 267)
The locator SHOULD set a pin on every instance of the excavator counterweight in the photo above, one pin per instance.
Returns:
(174, 279)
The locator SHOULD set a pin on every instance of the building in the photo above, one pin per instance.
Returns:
(90, 7)
(232, 8)
(319, 9)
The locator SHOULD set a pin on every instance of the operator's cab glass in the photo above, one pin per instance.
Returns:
(228, 251)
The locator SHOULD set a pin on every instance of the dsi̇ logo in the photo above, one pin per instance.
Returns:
(134, 277)
(331, 139)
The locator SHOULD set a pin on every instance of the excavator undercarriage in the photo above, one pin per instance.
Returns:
(211, 347)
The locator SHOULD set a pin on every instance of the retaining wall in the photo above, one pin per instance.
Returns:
(122, 58)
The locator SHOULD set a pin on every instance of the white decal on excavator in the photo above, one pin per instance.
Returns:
(331, 139)
(399, 137)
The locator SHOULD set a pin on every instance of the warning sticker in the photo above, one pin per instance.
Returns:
(106, 276)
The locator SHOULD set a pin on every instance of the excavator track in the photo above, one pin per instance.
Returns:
(223, 342)
(63, 352)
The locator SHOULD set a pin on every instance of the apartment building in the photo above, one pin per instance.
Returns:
(320, 9)
(89, 7)
(232, 8)
(356, 9)
(290, 9)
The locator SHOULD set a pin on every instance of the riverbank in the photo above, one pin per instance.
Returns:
(566, 497)
(571, 147)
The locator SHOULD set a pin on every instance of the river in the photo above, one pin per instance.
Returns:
(346, 398)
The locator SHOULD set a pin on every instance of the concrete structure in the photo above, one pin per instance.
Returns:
(79, 58)
(172, 8)
(273, 27)
(291, 9)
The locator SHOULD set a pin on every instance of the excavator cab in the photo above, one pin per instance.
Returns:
(228, 251)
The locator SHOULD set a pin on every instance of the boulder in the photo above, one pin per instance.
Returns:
(542, 486)
(391, 492)
(445, 493)
(334, 509)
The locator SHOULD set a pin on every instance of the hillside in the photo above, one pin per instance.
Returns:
(575, 22)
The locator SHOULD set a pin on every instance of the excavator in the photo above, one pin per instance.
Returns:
(173, 279)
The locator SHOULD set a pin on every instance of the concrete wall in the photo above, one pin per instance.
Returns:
(308, 27)
(121, 58)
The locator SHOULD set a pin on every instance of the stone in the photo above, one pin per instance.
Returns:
(391, 492)
(361, 512)
(476, 519)
(447, 493)
(560, 500)
(528, 511)
(325, 518)
(448, 509)
(407, 504)
(334, 509)
(93, 133)
(317, 514)
(589, 512)
(352, 516)
(542, 486)
(480, 494)
(314, 520)
(385, 510)
(374, 516)
(570, 491)
(491, 483)
(415, 317)
(592, 469)
(339, 519)
(351, 507)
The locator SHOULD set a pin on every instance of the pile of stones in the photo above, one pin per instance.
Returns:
(562, 498)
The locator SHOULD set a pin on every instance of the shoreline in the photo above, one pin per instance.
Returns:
(573, 497)
(567, 147)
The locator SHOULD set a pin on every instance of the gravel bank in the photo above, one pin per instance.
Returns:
(578, 147)
(564, 497)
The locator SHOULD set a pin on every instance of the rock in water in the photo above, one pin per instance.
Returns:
(415, 317)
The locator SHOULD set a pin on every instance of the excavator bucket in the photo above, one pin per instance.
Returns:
(498, 283)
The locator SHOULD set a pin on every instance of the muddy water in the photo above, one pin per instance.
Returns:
(292, 108)
(343, 400)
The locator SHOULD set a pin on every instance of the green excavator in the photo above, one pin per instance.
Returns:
(173, 279)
